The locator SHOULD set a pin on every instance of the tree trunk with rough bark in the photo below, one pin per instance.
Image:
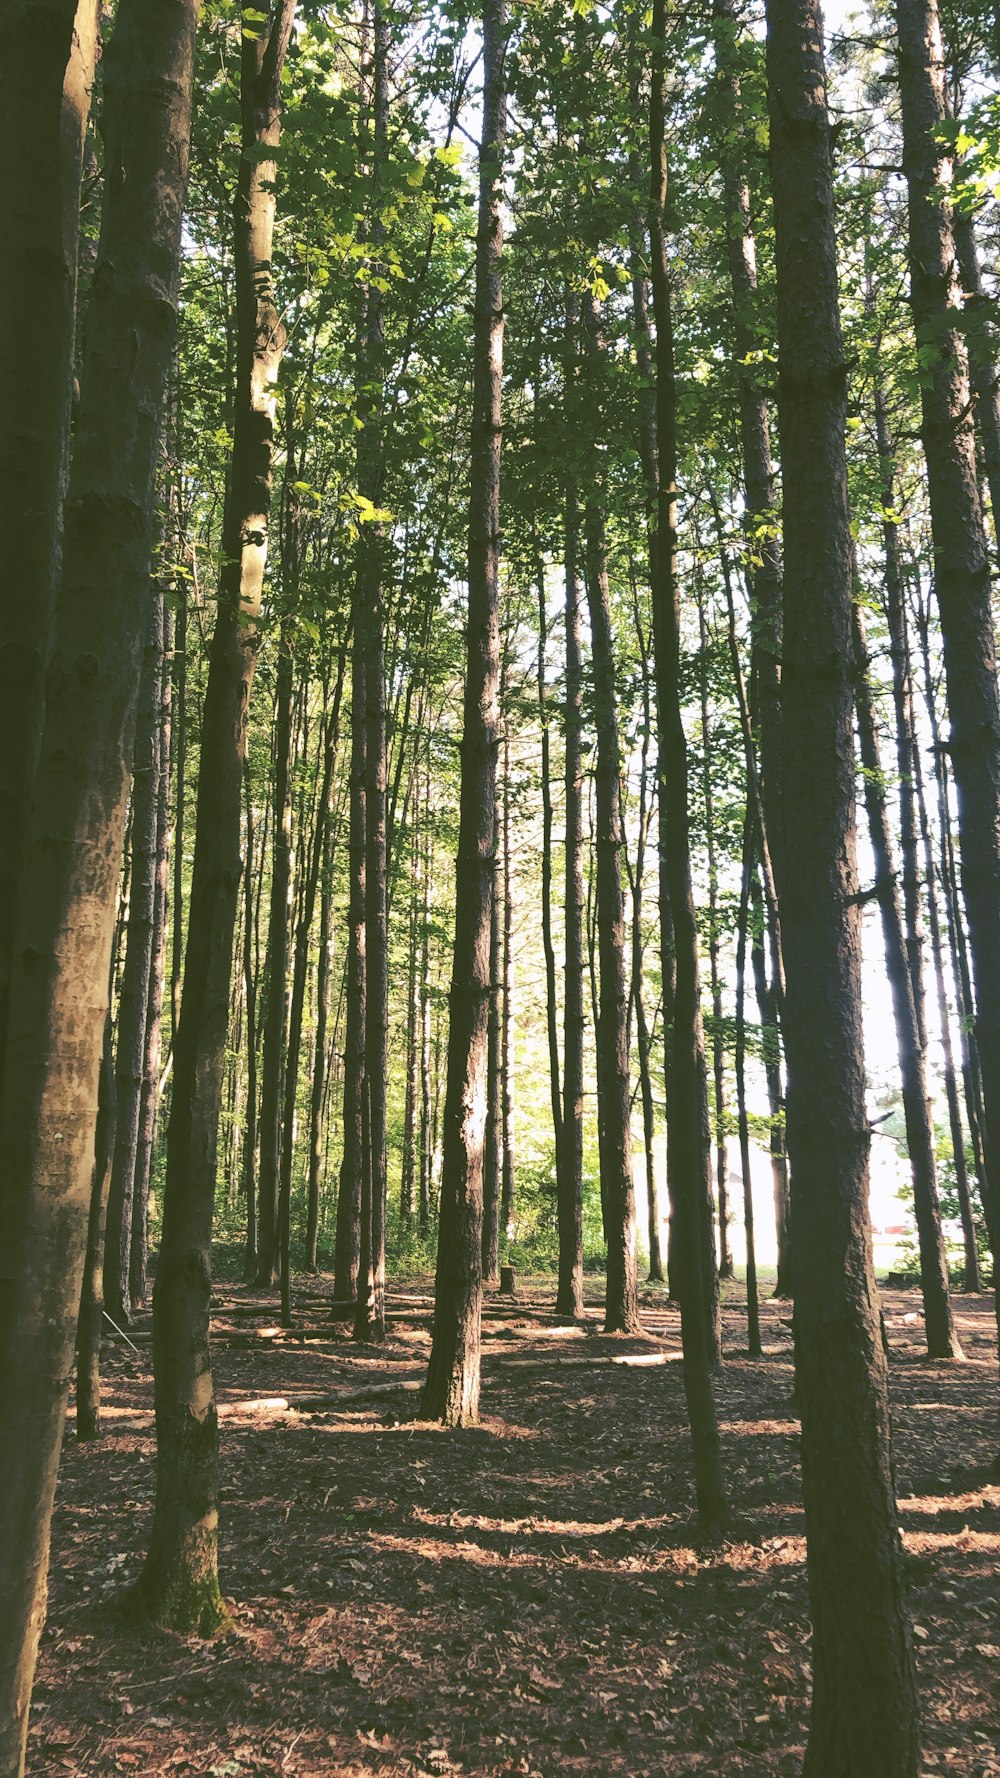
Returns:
(864, 1707)
(74, 845)
(688, 1161)
(569, 1294)
(451, 1392)
(179, 1584)
(47, 55)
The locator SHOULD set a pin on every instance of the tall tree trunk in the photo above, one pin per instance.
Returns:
(154, 999)
(942, 1341)
(718, 1044)
(408, 1169)
(90, 1330)
(179, 742)
(451, 1392)
(961, 559)
(864, 1706)
(347, 1249)
(133, 995)
(621, 1311)
(370, 1318)
(507, 1045)
(317, 1095)
(179, 1584)
(688, 1175)
(250, 985)
(548, 948)
(492, 1161)
(569, 1173)
(47, 55)
(743, 921)
(273, 1057)
(59, 981)
(426, 1131)
(297, 1001)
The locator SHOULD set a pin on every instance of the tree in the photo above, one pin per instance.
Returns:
(864, 1708)
(451, 1392)
(179, 1584)
(73, 851)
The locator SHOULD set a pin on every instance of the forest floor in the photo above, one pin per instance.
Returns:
(526, 1598)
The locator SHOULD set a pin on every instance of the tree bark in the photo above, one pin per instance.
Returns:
(718, 1045)
(179, 1585)
(59, 983)
(743, 920)
(688, 1161)
(864, 1707)
(621, 1311)
(47, 54)
(154, 1000)
(273, 1057)
(451, 1392)
(317, 1097)
(133, 997)
(569, 1174)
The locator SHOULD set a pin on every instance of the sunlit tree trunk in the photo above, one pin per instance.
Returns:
(569, 1295)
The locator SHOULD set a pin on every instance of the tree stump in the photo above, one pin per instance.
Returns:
(508, 1281)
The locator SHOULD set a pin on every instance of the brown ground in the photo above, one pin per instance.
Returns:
(522, 1599)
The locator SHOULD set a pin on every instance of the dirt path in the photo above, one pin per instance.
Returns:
(522, 1599)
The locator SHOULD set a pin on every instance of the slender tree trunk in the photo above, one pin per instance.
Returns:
(864, 1706)
(297, 1002)
(507, 1046)
(942, 1340)
(407, 1177)
(753, 1305)
(451, 1392)
(718, 1044)
(47, 54)
(347, 1251)
(569, 1175)
(621, 1313)
(133, 994)
(370, 1317)
(72, 858)
(426, 1133)
(961, 559)
(551, 999)
(154, 1000)
(320, 1065)
(91, 1325)
(249, 1168)
(494, 1109)
(179, 738)
(687, 1157)
(179, 1584)
(277, 971)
